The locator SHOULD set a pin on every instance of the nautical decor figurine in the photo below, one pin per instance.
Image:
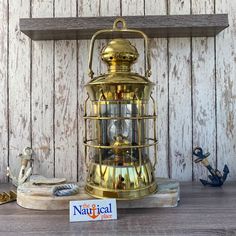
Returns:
(122, 166)
(25, 170)
(24, 174)
(36, 191)
(216, 178)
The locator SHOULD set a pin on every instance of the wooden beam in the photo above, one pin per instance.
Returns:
(70, 28)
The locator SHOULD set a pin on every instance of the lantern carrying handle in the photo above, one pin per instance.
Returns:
(118, 29)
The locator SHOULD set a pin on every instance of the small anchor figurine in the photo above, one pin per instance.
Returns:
(26, 167)
(216, 178)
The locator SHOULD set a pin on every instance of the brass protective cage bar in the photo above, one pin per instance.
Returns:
(155, 142)
(120, 118)
(140, 146)
(123, 29)
(120, 102)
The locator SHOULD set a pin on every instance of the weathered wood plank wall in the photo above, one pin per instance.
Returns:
(203, 90)
(65, 98)
(85, 8)
(226, 88)
(4, 89)
(159, 63)
(19, 82)
(180, 115)
(41, 84)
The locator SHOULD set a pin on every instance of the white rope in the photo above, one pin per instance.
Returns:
(65, 190)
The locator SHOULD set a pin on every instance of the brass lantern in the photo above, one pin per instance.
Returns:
(120, 167)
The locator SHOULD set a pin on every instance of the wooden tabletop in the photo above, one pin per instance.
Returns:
(201, 211)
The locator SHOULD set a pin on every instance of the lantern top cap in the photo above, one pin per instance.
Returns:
(119, 50)
(120, 54)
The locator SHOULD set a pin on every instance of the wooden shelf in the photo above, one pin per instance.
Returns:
(154, 26)
(202, 211)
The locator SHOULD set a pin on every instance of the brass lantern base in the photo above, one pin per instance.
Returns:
(121, 182)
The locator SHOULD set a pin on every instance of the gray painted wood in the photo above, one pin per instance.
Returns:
(201, 211)
(28, 77)
(153, 26)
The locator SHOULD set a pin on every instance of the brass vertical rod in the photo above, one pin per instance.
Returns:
(99, 139)
(139, 138)
(85, 131)
(154, 131)
(99, 134)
